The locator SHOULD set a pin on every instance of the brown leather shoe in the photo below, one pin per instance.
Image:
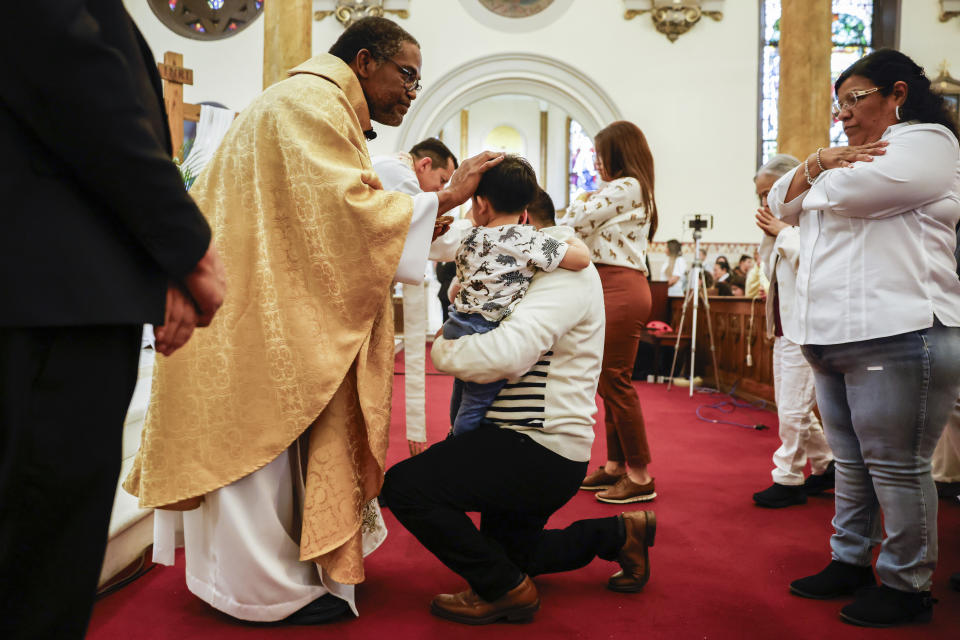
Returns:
(599, 479)
(517, 605)
(641, 529)
(626, 491)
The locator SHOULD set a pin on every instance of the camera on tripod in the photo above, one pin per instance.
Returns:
(699, 222)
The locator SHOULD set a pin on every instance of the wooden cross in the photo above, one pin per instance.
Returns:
(174, 76)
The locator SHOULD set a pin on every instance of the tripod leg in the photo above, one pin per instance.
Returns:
(688, 296)
(713, 349)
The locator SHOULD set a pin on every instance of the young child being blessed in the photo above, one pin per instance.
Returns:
(495, 263)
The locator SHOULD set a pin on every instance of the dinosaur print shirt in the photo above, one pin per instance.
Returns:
(495, 266)
(613, 223)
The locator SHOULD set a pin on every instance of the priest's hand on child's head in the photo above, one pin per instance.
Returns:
(465, 179)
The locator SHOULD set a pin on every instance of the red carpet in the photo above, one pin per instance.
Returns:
(720, 566)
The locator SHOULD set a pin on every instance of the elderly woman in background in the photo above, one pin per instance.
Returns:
(801, 436)
(879, 306)
(616, 222)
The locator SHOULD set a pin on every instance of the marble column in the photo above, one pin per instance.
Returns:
(805, 90)
(287, 31)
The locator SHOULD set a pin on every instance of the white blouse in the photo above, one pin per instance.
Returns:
(613, 224)
(877, 240)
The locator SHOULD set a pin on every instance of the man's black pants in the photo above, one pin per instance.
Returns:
(515, 484)
(63, 397)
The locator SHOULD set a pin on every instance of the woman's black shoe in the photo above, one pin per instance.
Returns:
(883, 606)
(777, 496)
(837, 579)
(817, 484)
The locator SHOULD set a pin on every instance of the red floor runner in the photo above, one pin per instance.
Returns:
(720, 566)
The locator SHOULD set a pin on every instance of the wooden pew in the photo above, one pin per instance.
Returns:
(738, 328)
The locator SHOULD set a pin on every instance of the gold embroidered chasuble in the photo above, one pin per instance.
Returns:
(304, 339)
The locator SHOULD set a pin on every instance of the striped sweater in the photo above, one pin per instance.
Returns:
(550, 350)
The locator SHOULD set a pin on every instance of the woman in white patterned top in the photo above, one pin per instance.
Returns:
(616, 223)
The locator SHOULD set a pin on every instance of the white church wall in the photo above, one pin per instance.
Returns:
(228, 71)
(696, 98)
(523, 114)
(927, 40)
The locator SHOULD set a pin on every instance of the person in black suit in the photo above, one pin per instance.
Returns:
(98, 237)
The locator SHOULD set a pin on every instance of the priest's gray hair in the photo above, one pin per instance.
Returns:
(777, 166)
(381, 37)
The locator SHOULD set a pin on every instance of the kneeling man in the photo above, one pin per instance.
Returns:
(527, 460)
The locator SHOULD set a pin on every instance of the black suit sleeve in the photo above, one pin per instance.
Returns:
(63, 79)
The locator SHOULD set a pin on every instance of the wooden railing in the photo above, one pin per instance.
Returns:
(738, 329)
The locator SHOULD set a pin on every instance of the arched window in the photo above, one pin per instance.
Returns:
(582, 161)
(859, 26)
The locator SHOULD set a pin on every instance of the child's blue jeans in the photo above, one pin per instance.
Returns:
(470, 400)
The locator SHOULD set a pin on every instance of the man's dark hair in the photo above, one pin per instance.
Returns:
(438, 153)
(674, 247)
(509, 186)
(742, 258)
(723, 264)
(381, 37)
(541, 210)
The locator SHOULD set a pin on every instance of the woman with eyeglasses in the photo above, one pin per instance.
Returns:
(879, 302)
(616, 222)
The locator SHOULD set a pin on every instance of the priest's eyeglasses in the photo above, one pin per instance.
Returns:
(850, 100)
(411, 81)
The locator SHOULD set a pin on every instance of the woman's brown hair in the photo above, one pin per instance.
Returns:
(624, 152)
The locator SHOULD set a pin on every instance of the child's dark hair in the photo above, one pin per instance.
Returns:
(509, 186)
(541, 210)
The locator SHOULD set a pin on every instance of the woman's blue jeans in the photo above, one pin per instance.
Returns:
(884, 404)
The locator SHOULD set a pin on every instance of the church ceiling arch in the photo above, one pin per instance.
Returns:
(533, 75)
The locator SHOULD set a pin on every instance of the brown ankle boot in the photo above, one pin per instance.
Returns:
(517, 605)
(641, 529)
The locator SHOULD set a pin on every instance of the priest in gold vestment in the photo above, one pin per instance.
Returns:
(269, 430)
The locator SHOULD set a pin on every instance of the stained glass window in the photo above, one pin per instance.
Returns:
(582, 169)
(852, 39)
(206, 19)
